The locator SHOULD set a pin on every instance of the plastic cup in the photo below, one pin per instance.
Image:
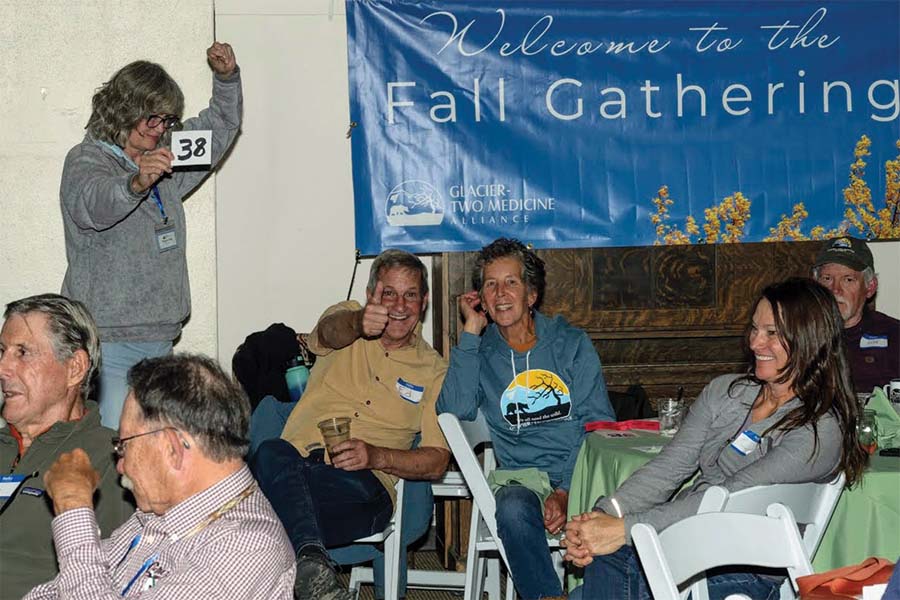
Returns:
(671, 411)
(334, 431)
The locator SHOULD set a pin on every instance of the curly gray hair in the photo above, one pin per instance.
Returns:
(136, 91)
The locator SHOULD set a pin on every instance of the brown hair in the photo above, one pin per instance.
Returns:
(810, 328)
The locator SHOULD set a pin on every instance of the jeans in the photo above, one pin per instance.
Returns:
(268, 421)
(117, 358)
(520, 525)
(318, 504)
(619, 576)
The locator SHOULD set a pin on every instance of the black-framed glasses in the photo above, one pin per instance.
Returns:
(118, 443)
(168, 121)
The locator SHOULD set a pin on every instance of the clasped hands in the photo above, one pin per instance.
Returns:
(590, 534)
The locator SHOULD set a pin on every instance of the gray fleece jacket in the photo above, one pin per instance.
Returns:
(134, 291)
(713, 422)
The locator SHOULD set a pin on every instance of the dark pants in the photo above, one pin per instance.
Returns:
(318, 504)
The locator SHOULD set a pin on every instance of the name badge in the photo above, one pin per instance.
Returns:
(165, 238)
(410, 391)
(873, 341)
(745, 443)
(8, 485)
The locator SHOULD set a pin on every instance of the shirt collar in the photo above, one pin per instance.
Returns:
(117, 151)
(182, 517)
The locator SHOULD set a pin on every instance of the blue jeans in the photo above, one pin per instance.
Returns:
(117, 358)
(520, 524)
(318, 504)
(268, 420)
(619, 576)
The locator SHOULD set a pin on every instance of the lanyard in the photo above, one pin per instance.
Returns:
(147, 564)
(162, 211)
(213, 517)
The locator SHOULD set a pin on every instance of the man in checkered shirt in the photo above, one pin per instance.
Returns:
(202, 528)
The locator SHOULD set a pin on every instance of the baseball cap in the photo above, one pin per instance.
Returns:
(848, 251)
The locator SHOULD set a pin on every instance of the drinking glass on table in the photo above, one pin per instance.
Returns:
(671, 411)
(867, 431)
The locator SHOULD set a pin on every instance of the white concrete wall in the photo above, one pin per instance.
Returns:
(285, 202)
(53, 54)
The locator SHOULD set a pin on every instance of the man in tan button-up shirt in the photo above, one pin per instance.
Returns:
(374, 368)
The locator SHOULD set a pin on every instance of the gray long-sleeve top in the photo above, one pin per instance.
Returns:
(713, 422)
(134, 291)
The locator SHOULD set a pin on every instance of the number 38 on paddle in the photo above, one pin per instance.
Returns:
(192, 148)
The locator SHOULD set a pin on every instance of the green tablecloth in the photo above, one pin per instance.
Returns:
(866, 521)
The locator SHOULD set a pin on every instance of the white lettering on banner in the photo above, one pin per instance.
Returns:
(800, 38)
(563, 97)
(532, 43)
(445, 112)
(490, 189)
(489, 204)
(691, 99)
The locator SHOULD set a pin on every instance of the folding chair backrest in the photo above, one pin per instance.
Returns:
(464, 437)
(708, 540)
(812, 504)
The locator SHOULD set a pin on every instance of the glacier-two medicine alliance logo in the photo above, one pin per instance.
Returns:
(414, 203)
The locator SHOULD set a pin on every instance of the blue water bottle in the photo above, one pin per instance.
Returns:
(296, 377)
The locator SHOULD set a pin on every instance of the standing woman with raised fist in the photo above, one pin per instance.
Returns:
(123, 215)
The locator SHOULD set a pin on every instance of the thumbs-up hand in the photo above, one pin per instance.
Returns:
(374, 316)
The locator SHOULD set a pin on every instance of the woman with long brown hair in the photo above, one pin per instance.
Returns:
(791, 418)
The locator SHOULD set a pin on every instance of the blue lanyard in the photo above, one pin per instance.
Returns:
(162, 211)
(147, 563)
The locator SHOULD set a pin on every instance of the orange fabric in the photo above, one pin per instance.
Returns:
(846, 582)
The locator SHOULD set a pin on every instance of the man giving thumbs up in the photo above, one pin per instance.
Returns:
(374, 369)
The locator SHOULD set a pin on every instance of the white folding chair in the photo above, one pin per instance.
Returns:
(451, 485)
(463, 438)
(812, 505)
(708, 540)
(393, 546)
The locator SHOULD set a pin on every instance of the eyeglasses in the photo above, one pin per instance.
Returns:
(168, 121)
(118, 444)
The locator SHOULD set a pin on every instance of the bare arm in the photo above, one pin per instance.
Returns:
(427, 463)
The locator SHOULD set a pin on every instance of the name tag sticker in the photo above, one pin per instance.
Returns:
(745, 443)
(410, 391)
(8, 485)
(873, 341)
(191, 148)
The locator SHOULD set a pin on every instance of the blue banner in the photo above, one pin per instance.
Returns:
(558, 122)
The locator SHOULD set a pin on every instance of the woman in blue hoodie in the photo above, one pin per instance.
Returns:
(537, 380)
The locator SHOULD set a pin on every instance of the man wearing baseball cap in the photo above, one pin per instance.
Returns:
(846, 267)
